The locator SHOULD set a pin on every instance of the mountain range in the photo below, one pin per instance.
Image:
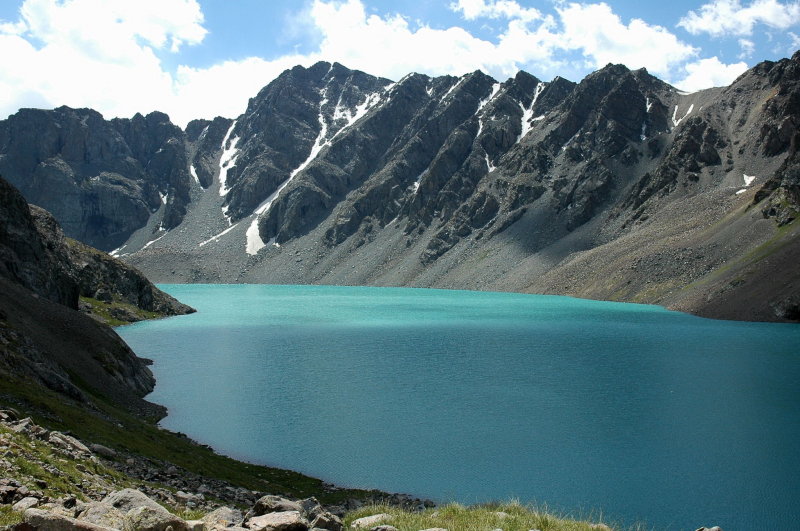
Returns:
(619, 187)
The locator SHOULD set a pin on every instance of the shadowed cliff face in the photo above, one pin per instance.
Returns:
(43, 338)
(336, 176)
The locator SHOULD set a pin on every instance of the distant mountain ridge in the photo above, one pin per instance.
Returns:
(618, 187)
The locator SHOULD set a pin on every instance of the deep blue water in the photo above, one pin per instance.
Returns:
(631, 411)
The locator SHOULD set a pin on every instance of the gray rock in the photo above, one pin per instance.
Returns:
(327, 521)
(368, 522)
(311, 507)
(278, 521)
(384, 528)
(103, 515)
(196, 525)
(47, 521)
(146, 518)
(435, 529)
(25, 503)
(272, 504)
(222, 518)
(104, 451)
(68, 442)
(130, 507)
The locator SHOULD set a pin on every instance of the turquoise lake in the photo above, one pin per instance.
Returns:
(629, 411)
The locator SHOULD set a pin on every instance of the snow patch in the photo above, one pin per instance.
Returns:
(482, 104)
(748, 180)
(451, 89)
(164, 198)
(193, 172)
(643, 136)
(568, 142)
(151, 242)
(527, 114)
(676, 121)
(648, 104)
(228, 159)
(254, 241)
(491, 167)
(218, 236)
(415, 186)
(115, 252)
(355, 115)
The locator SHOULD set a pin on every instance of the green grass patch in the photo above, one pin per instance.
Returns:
(783, 235)
(508, 517)
(106, 312)
(9, 517)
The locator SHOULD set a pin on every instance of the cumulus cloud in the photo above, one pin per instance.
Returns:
(730, 17)
(707, 73)
(603, 38)
(748, 47)
(120, 65)
(473, 9)
(391, 47)
(51, 57)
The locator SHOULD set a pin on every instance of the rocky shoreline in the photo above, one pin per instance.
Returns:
(52, 481)
(94, 502)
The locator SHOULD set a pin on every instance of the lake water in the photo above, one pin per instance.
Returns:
(631, 411)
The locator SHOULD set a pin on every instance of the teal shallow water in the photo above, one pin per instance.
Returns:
(629, 410)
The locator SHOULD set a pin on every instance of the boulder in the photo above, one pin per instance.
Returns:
(131, 509)
(327, 521)
(222, 518)
(24, 504)
(196, 525)
(67, 442)
(384, 528)
(47, 521)
(369, 522)
(149, 519)
(103, 514)
(104, 451)
(311, 507)
(274, 504)
(278, 521)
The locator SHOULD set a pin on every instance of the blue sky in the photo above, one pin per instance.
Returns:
(203, 58)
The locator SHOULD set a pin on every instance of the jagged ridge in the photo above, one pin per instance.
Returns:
(335, 176)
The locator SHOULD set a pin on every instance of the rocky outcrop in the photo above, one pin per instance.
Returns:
(102, 180)
(28, 258)
(35, 253)
(42, 336)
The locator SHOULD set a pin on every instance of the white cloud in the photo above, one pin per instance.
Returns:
(748, 47)
(51, 57)
(117, 66)
(707, 73)
(390, 47)
(729, 17)
(473, 9)
(224, 89)
(603, 38)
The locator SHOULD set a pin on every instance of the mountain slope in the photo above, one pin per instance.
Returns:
(43, 338)
(617, 187)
